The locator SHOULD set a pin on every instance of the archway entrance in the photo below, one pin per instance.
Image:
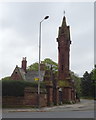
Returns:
(60, 96)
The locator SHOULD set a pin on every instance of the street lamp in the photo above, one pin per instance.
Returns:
(40, 60)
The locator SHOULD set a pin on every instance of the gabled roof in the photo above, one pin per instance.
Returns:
(22, 72)
(29, 75)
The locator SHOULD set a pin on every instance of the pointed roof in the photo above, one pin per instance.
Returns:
(29, 75)
(21, 71)
(64, 29)
(64, 22)
(18, 72)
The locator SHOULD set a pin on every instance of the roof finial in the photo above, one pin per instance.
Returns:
(64, 19)
(64, 12)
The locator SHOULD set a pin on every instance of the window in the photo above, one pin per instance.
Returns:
(62, 68)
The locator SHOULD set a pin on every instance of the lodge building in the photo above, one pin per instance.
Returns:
(59, 88)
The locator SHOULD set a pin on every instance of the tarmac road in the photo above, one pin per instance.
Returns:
(65, 114)
(84, 109)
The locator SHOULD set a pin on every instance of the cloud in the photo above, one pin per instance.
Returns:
(19, 33)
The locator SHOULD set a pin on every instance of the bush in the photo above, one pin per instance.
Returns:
(16, 88)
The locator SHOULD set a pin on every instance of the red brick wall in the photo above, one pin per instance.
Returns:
(56, 96)
(67, 94)
(29, 99)
(43, 100)
(12, 101)
(32, 99)
(49, 95)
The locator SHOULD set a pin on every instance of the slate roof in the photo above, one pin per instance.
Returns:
(22, 72)
(31, 75)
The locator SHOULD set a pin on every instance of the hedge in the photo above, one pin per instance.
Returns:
(16, 88)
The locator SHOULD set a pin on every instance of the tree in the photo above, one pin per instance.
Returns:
(50, 63)
(77, 82)
(6, 78)
(47, 62)
(87, 84)
(34, 66)
(93, 84)
(94, 74)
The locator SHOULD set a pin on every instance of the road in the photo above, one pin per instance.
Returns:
(84, 109)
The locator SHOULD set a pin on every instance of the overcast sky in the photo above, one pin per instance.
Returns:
(19, 33)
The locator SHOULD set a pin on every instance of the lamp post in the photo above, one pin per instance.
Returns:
(40, 61)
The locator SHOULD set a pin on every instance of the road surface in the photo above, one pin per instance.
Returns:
(84, 109)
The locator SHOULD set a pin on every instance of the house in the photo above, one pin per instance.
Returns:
(26, 75)
(31, 76)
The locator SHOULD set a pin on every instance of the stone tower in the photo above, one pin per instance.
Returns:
(63, 51)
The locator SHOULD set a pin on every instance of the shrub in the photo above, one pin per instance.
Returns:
(16, 88)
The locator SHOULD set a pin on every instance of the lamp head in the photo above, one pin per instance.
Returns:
(46, 17)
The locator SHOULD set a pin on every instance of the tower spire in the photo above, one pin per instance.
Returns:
(63, 40)
(64, 19)
(63, 50)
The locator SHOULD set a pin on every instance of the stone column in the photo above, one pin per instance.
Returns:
(66, 94)
(49, 95)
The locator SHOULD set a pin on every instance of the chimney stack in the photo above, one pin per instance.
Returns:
(24, 64)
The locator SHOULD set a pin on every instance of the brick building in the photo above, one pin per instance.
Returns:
(23, 74)
(60, 88)
(47, 77)
(65, 81)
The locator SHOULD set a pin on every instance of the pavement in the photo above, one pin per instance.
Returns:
(83, 105)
